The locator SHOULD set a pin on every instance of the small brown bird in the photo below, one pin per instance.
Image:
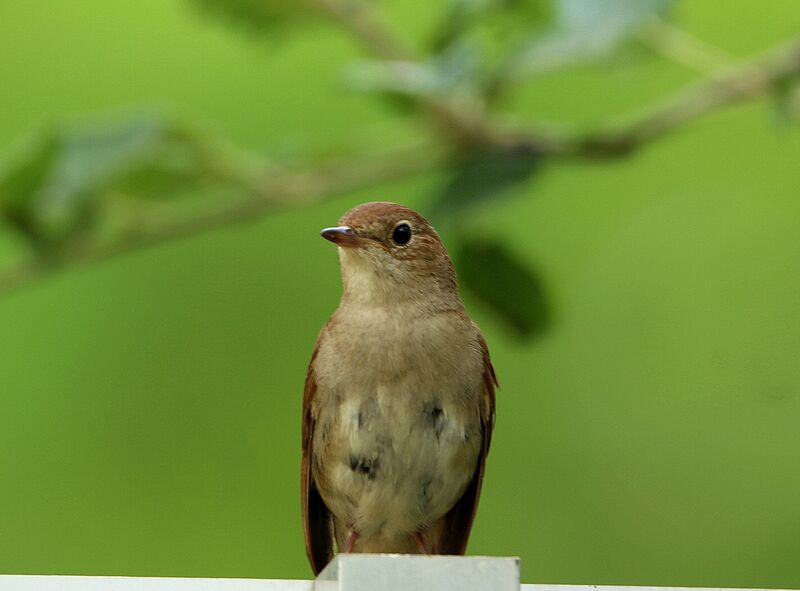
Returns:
(398, 407)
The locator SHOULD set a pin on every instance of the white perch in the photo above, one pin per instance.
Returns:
(347, 572)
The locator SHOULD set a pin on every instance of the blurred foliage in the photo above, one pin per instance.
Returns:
(787, 95)
(484, 176)
(259, 17)
(68, 184)
(447, 73)
(66, 180)
(503, 282)
(495, 24)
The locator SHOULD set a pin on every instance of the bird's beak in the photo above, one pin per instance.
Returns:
(342, 236)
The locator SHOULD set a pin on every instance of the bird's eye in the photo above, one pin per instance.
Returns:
(401, 234)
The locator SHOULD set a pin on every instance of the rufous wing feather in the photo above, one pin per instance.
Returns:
(317, 524)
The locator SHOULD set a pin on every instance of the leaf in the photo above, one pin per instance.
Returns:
(457, 18)
(609, 18)
(585, 30)
(24, 177)
(259, 16)
(55, 189)
(460, 17)
(787, 101)
(484, 176)
(18, 182)
(407, 78)
(452, 70)
(506, 285)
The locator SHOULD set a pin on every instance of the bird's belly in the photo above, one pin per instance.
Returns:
(393, 462)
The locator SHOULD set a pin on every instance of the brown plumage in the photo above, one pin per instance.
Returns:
(398, 406)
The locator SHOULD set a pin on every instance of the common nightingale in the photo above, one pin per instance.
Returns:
(398, 407)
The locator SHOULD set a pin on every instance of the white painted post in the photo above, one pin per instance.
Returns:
(404, 572)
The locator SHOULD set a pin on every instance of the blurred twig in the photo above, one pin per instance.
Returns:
(744, 81)
(287, 189)
(361, 20)
(473, 129)
(459, 125)
(683, 48)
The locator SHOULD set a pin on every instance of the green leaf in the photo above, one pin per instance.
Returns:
(492, 17)
(585, 30)
(57, 187)
(787, 101)
(505, 284)
(457, 18)
(452, 71)
(23, 178)
(610, 18)
(487, 175)
(259, 16)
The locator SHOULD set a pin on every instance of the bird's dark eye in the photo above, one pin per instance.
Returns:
(401, 234)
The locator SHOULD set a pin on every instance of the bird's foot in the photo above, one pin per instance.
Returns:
(351, 541)
(422, 546)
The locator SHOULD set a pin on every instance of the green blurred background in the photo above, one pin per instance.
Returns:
(149, 405)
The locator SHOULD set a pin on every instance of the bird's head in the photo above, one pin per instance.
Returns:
(390, 253)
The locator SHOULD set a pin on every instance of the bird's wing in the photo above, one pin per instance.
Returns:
(457, 523)
(316, 516)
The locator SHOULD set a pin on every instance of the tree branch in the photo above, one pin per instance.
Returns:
(471, 129)
(288, 189)
(361, 21)
(462, 125)
(742, 82)
(678, 45)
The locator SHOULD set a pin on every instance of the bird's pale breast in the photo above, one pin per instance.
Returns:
(397, 430)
